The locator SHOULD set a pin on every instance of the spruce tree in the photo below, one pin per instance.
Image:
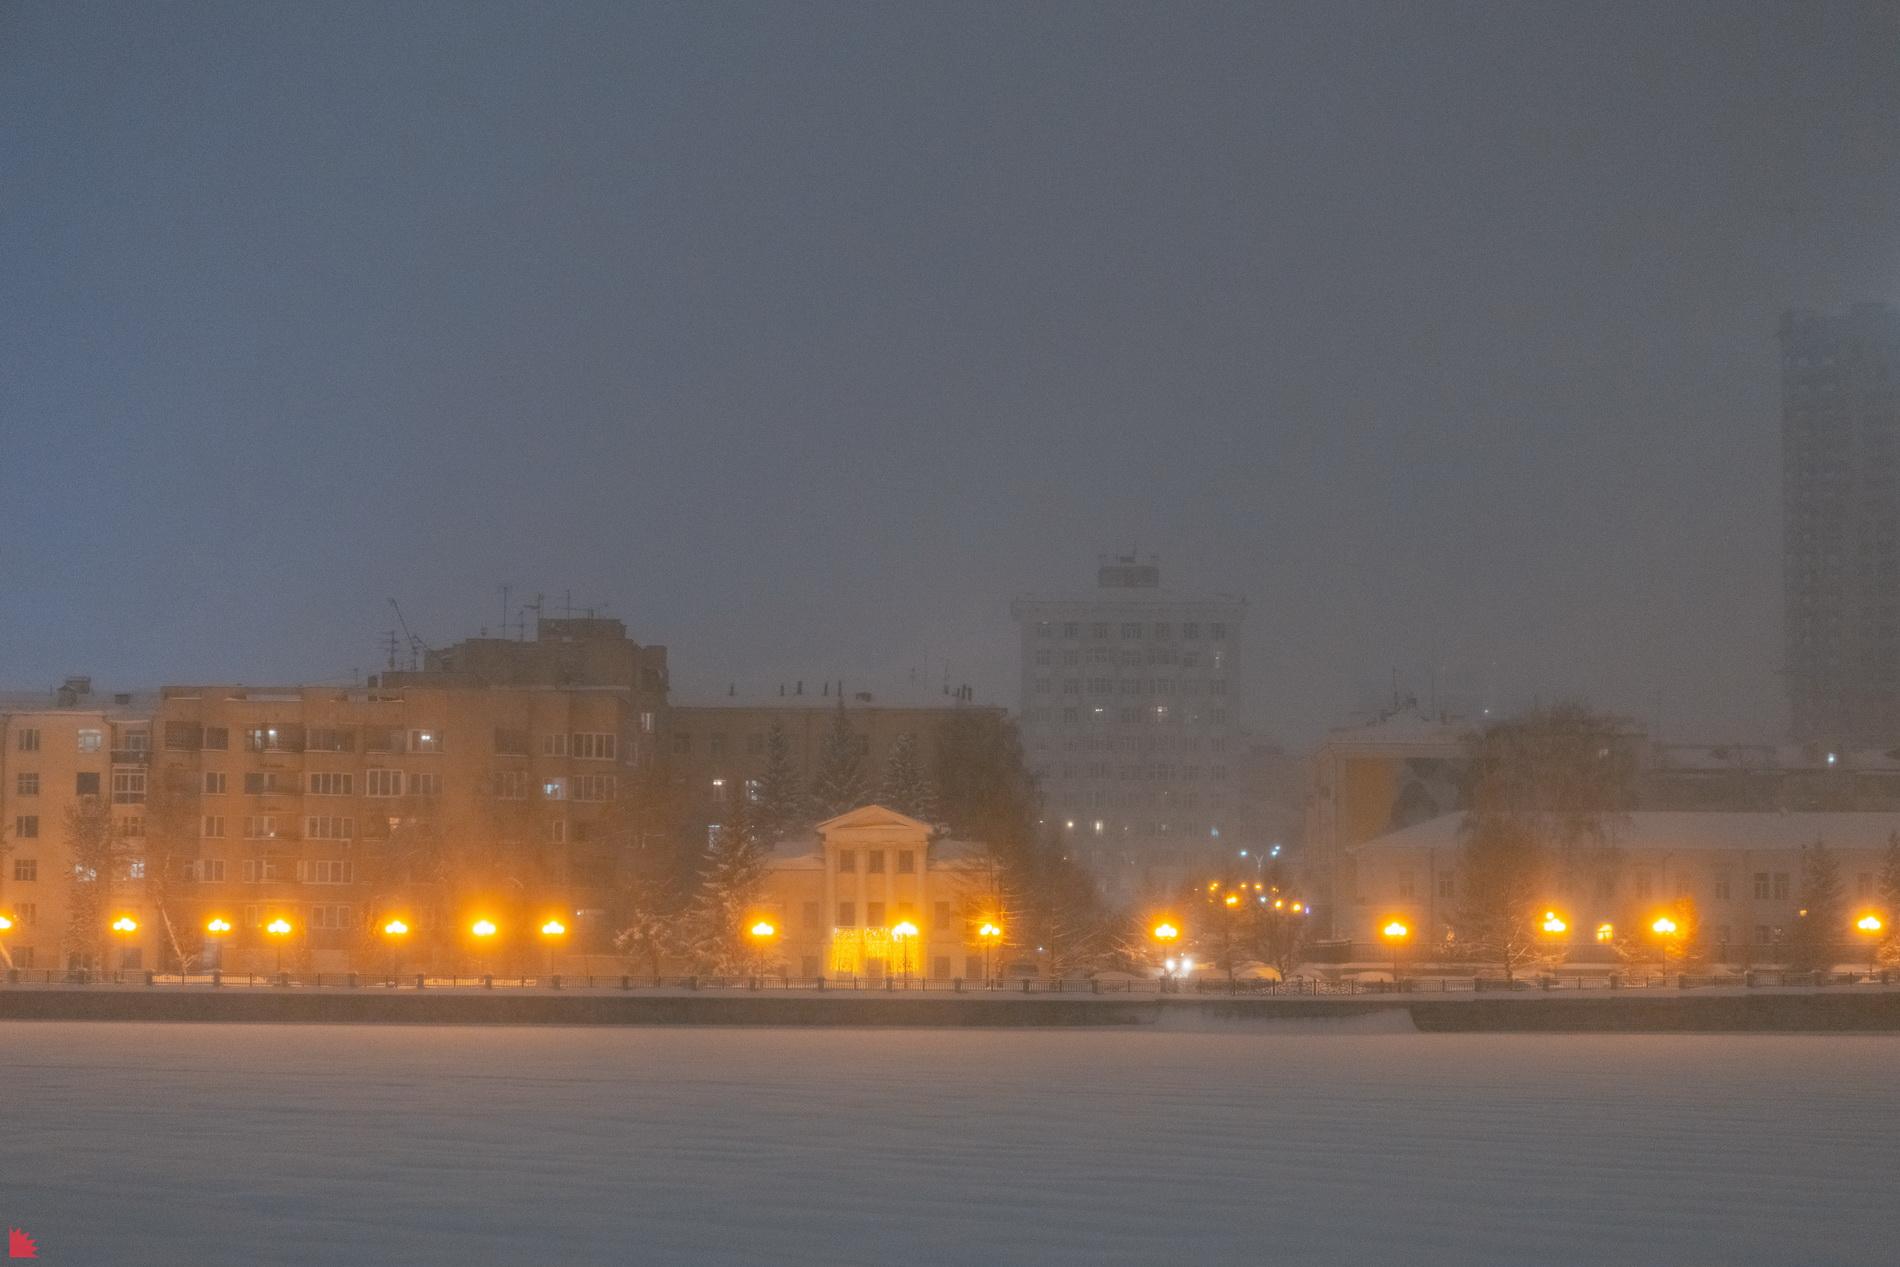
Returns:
(838, 783)
(779, 807)
(1817, 928)
(732, 876)
(1889, 951)
(906, 787)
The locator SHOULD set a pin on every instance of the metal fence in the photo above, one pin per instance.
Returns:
(1310, 987)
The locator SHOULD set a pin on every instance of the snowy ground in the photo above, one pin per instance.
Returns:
(1328, 1142)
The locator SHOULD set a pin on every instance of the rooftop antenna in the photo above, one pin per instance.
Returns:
(505, 588)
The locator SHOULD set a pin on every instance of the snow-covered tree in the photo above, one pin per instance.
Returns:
(838, 784)
(1889, 951)
(779, 806)
(1818, 926)
(906, 787)
(731, 878)
(97, 852)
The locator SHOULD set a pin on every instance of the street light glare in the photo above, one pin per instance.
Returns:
(989, 930)
(1869, 923)
(905, 929)
(125, 924)
(395, 928)
(277, 927)
(483, 928)
(5, 923)
(553, 928)
(1554, 924)
(218, 926)
(764, 928)
(1166, 932)
(1396, 930)
(1663, 925)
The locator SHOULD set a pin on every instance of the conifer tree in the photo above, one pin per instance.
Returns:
(838, 784)
(906, 787)
(1817, 928)
(779, 807)
(1889, 952)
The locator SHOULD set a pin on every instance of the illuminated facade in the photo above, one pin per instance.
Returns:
(843, 902)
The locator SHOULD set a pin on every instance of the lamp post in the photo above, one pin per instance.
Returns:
(988, 935)
(762, 934)
(483, 931)
(124, 927)
(1871, 926)
(1395, 932)
(394, 931)
(1166, 934)
(551, 934)
(901, 934)
(279, 929)
(6, 926)
(217, 928)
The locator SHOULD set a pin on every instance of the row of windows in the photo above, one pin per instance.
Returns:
(1187, 659)
(27, 739)
(1133, 686)
(284, 737)
(1132, 630)
(905, 861)
(508, 785)
(1148, 714)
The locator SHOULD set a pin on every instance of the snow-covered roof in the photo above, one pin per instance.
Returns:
(1690, 830)
(857, 695)
(1407, 728)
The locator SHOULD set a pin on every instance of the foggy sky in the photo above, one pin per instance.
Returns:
(805, 336)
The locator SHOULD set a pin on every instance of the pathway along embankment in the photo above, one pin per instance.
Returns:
(1779, 1011)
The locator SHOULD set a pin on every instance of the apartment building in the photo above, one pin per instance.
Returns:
(1840, 443)
(67, 756)
(1131, 698)
(333, 810)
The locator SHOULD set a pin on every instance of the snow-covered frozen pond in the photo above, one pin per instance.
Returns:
(309, 1144)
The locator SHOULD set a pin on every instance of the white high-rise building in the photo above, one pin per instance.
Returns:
(1131, 703)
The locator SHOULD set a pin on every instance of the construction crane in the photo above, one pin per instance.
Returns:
(416, 645)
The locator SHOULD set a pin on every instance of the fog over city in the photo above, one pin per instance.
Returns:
(802, 338)
(1055, 633)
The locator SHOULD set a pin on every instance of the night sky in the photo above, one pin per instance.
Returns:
(803, 337)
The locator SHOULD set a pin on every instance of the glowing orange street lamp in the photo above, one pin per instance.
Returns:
(6, 926)
(1554, 924)
(483, 928)
(902, 934)
(1872, 926)
(1231, 900)
(125, 926)
(554, 928)
(762, 933)
(988, 935)
(1395, 932)
(279, 929)
(216, 929)
(394, 931)
(1663, 926)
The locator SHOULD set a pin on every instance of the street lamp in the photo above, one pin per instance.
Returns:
(279, 929)
(483, 930)
(125, 926)
(395, 930)
(762, 934)
(1663, 926)
(6, 926)
(1554, 924)
(901, 934)
(1395, 932)
(988, 935)
(216, 929)
(1872, 925)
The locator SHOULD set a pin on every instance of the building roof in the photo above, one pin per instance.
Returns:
(1405, 728)
(859, 694)
(1692, 829)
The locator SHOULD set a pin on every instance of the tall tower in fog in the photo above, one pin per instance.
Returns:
(1130, 716)
(1840, 446)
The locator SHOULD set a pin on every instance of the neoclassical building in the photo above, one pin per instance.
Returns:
(840, 901)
